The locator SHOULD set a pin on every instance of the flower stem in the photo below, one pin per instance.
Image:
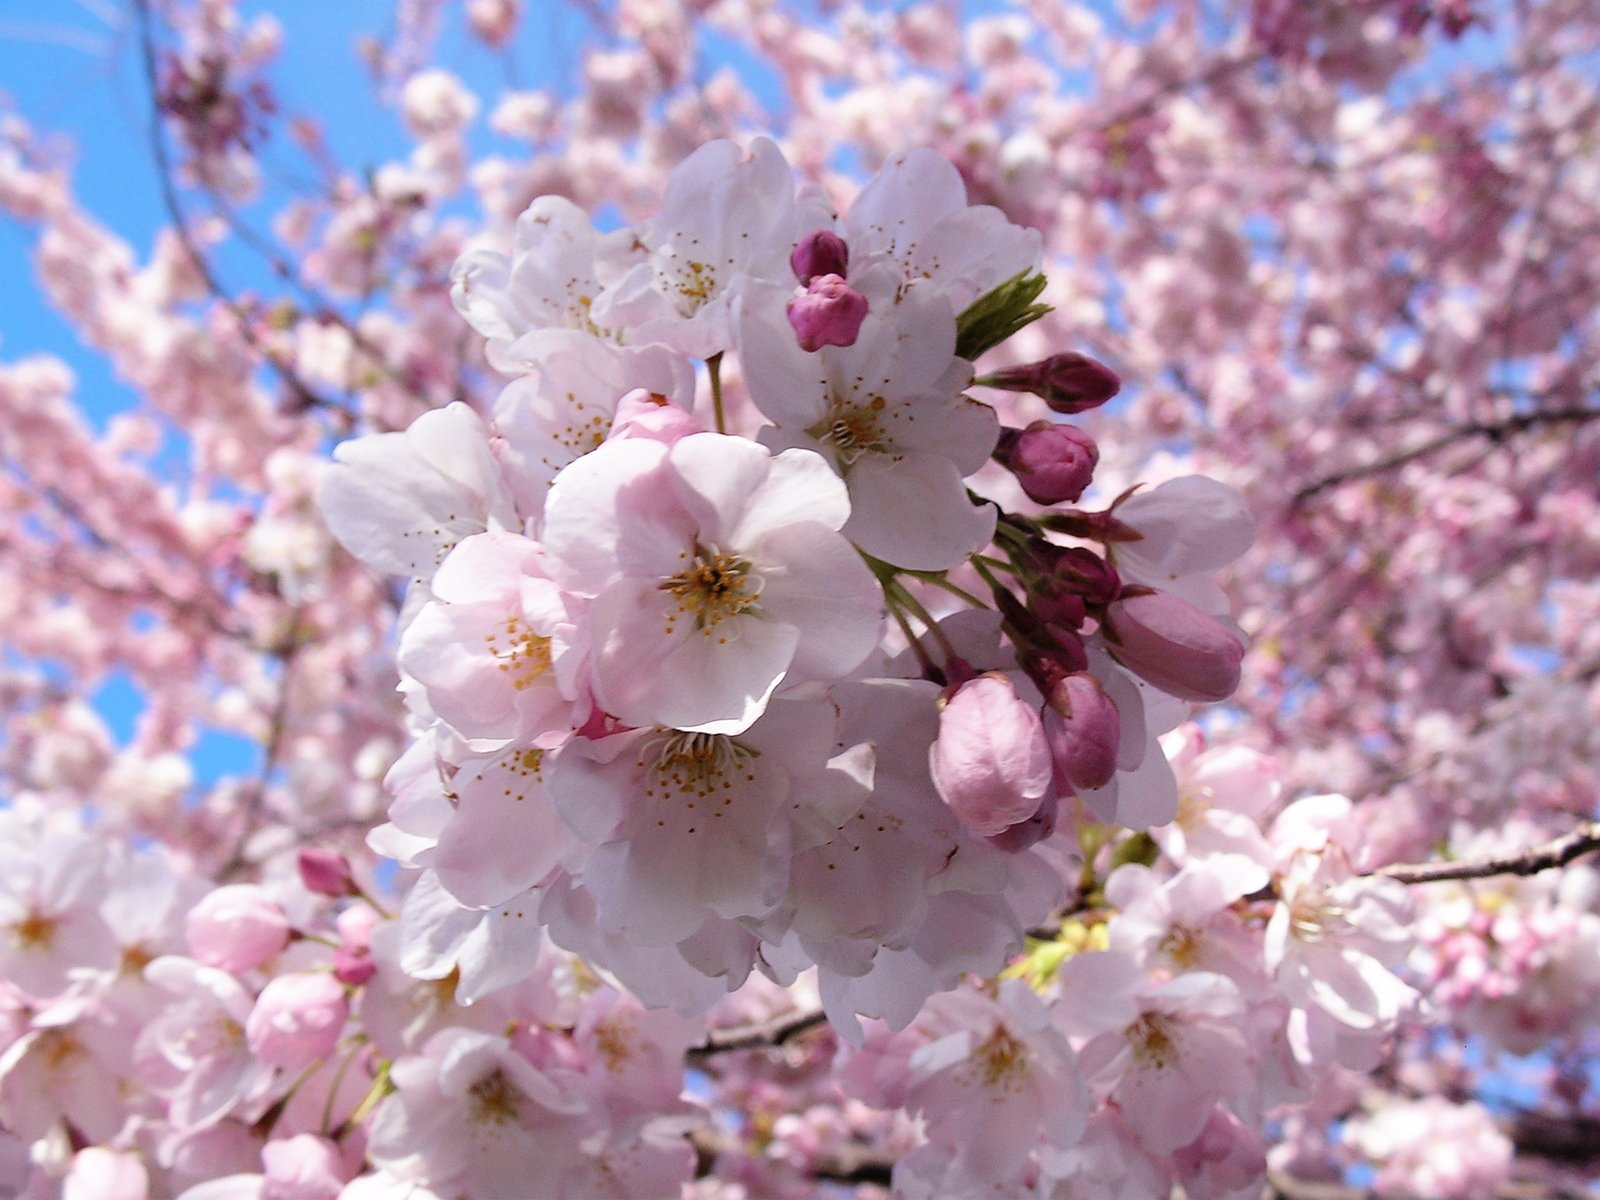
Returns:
(714, 365)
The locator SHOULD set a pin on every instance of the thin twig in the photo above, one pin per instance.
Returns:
(302, 391)
(759, 1035)
(1493, 430)
(1548, 856)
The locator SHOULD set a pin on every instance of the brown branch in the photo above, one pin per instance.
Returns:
(1493, 430)
(759, 1035)
(1281, 1186)
(302, 392)
(852, 1165)
(1585, 839)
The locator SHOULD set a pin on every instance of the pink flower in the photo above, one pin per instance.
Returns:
(401, 501)
(996, 1080)
(714, 570)
(297, 1020)
(490, 649)
(303, 1167)
(913, 219)
(100, 1173)
(1181, 1054)
(888, 412)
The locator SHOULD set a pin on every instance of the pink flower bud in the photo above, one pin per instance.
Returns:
(297, 1020)
(1056, 652)
(304, 1167)
(1083, 728)
(353, 966)
(1174, 645)
(990, 761)
(1031, 832)
(326, 872)
(829, 314)
(1078, 571)
(352, 961)
(236, 928)
(1053, 463)
(1068, 383)
(820, 252)
(100, 1173)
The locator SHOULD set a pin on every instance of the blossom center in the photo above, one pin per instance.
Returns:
(494, 1100)
(694, 282)
(853, 430)
(35, 931)
(711, 589)
(1001, 1061)
(1151, 1040)
(698, 764)
(613, 1039)
(1182, 945)
(523, 654)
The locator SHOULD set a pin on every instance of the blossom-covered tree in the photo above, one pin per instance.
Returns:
(987, 603)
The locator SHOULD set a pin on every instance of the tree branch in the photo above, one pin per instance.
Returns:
(1585, 839)
(291, 378)
(760, 1035)
(1493, 430)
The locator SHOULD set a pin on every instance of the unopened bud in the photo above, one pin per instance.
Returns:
(1068, 383)
(990, 761)
(1074, 572)
(829, 314)
(1017, 838)
(326, 872)
(820, 252)
(1053, 463)
(1055, 652)
(1174, 645)
(353, 967)
(1084, 729)
(297, 1020)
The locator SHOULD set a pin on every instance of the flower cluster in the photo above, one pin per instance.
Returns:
(163, 1036)
(659, 708)
(1240, 970)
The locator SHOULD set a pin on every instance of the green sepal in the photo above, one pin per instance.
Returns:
(996, 315)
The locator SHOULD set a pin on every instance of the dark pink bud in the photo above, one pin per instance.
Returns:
(327, 873)
(1018, 837)
(820, 252)
(1055, 607)
(1084, 728)
(957, 671)
(1053, 463)
(1174, 645)
(353, 967)
(1055, 652)
(1072, 577)
(1068, 383)
(829, 314)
